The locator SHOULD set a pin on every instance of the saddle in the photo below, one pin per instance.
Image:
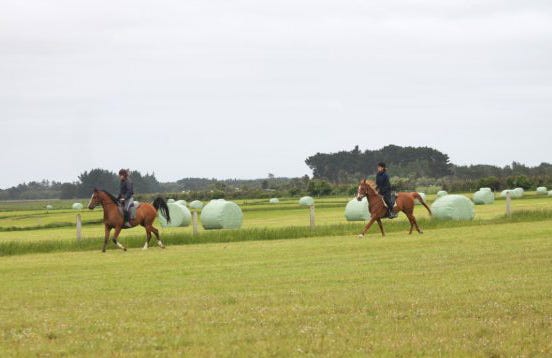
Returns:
(393, 200)
(132, 209)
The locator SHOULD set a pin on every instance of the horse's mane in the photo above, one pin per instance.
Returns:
(372, 185)
(112, 197)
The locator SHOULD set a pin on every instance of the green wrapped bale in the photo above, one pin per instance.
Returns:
(180, 216)
(357, 210)
(306, 201)
(453, 207)
(441, 193)
(77, 206)
(274, 201)
(417, 202)
(196, 205)
(542, 190)
(221, 214)
(483, 197)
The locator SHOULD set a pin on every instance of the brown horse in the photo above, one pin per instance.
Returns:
(113, 217)
(378, 210)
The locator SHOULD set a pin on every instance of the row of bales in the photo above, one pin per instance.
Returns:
(445, 207)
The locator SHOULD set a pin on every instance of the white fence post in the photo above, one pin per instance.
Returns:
(312, 217)
(195, 222)
(79, 227)
(508, 204)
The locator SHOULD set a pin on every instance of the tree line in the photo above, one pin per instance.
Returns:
(411, 168)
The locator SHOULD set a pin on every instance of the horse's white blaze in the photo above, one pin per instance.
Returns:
(90, 202)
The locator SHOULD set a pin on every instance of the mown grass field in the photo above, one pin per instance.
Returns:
(462, 289)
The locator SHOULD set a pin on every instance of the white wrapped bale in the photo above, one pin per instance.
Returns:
(49, 207)
(181, 202)
(221, 214)
(518, 192)
(180, 216)
(274, 201)
(542, 190)
(357, 210)
(550, 193)
(306, 201)
(196, 205)
(505, 192)
(453, 207)
(417, 202)
(441, 193)
(485, 189)
(77, 206)
(171, 201)
(483, 197)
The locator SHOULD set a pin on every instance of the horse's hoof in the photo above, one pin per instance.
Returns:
(124, 249)
(360, 236)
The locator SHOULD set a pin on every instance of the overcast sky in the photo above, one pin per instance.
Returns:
(238, 89)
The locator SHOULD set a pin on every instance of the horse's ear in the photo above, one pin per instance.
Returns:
(364, 180)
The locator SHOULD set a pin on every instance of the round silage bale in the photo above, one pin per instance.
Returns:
(274, 201)
(77, 206)
(485, 189)
(180, 216)
(181, 202)
(518, 192)
(441, 193)
(221, 214)
(483, 197)
(306, 201)
(49, 207)
(550, 193)
(357, 210)
(171, 201)
(505, 192)
(196, 205)
(542, 190)
(417, 202)
(453, 207)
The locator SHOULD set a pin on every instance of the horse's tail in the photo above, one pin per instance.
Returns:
(421, 200)
(160, 205)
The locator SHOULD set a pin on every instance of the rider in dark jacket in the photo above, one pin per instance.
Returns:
(126, 193)
(384, 188)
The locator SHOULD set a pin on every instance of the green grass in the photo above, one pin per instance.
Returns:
(459, 291)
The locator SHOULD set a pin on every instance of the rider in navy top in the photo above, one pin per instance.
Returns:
(384, 188)
(126, 192)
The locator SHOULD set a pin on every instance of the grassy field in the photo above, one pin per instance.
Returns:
(481, 288)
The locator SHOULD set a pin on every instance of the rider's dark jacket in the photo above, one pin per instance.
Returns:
(126, 190)
(382, 181)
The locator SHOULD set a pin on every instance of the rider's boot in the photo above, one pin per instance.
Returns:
(391, 214)
(127, 219)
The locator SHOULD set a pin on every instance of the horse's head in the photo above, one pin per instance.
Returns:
(95, 200)
(365, 189)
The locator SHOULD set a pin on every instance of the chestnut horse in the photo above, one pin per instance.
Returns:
(404, 202)
(113, 217)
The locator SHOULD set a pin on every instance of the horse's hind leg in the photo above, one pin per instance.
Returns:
(415, 223)
(156, 233)
(148, 237)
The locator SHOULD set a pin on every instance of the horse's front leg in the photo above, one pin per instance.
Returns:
(381, 227)
(366, 228)
(106, 238)
(116, 238)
